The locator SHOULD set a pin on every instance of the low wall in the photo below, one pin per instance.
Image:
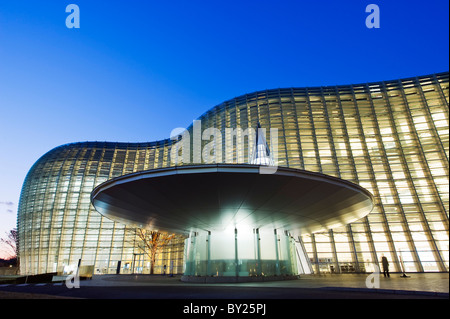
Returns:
(9, 271)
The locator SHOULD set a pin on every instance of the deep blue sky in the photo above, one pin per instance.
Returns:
(135, 70)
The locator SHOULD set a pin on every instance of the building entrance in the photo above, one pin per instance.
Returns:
(138, 264)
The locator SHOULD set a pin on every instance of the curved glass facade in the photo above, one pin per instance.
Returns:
(390, 137)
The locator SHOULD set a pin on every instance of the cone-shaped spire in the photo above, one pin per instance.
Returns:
(261, 153)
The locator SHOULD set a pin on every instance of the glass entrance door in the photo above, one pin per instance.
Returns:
(138, 263)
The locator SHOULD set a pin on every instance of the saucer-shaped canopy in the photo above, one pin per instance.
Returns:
(215, 197)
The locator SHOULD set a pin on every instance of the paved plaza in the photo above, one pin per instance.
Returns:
(348, 286)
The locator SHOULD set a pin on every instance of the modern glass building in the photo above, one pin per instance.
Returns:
(390, 137)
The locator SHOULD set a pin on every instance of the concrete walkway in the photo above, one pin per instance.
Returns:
(342, 286)
(416, 282)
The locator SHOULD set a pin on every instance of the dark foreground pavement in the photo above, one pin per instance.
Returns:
(207, 292)
(323, 294)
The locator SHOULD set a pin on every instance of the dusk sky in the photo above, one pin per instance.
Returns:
(135, 70)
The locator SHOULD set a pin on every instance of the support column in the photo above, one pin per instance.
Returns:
(277, 262)
(316, 258)
(190, 264)
(133, 264)
(306, 264)
(208, 252)
(236, 259)
(291, 263)
(258, 252)
(333, 247)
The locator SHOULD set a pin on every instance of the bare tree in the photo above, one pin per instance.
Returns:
(11, 242)
(151, 243)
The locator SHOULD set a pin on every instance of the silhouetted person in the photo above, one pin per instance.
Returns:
(385, 264)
